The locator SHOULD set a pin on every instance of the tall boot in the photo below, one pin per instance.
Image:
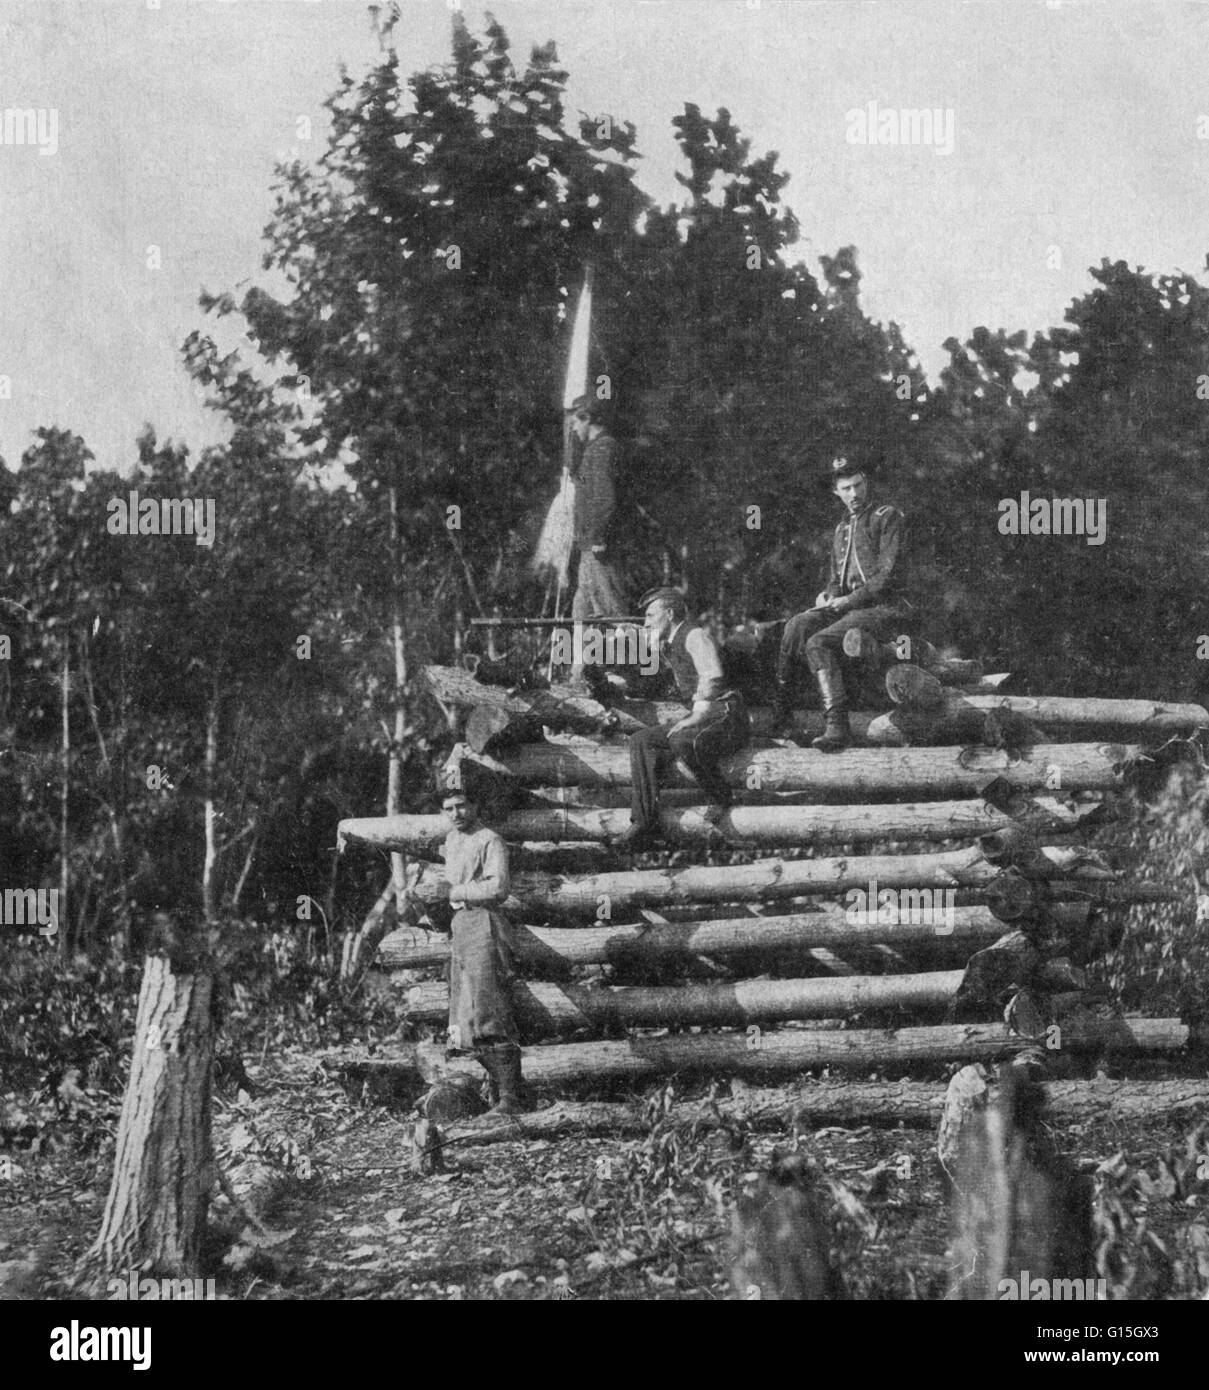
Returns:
(502, 1062)
(836, 733)
(783, 693)
(782, 706)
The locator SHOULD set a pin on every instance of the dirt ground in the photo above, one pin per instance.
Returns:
(636, 1217)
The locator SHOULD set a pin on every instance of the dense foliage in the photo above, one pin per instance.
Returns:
(396, 440)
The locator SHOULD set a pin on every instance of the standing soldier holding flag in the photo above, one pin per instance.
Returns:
(574, 542)
(598, 588)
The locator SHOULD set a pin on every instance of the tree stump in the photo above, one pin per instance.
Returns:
(155, 1213)
(426, 1149)
(1019, 1210)
(783, 1241)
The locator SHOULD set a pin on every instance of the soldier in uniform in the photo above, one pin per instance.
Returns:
(482, 963)
(864, 589)
(598, 587)
(716, 726)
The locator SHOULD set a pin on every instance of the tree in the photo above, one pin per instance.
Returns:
(430, 260)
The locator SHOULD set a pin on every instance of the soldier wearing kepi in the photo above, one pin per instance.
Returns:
(716, 726)
(482, 963)
(864, 589)
(598, 587)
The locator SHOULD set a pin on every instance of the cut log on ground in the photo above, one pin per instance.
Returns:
(555, 949)
(823, 1104)
(876, 773)
(785, 1051)
(542, 897)
(764, 825)
(922, 1103)
(544, 1010)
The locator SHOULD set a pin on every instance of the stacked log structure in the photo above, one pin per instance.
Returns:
(925, 898)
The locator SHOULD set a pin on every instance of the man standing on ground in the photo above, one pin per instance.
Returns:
(482, 963)
(864, 589)
(716, 726)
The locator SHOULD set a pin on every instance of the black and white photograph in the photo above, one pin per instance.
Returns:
(604, 663)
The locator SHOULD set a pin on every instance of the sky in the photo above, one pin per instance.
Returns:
(1079, 131)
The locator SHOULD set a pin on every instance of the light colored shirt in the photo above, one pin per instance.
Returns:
(476, 865)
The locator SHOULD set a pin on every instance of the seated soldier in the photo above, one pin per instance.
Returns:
(864, 589)
(716, 726)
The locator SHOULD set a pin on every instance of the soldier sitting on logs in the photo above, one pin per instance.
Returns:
(716, 727)
(864, 589)
(482, 963)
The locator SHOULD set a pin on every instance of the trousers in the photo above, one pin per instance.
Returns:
(818, 637)
(482, 967)
(598, 588)
(701, 748)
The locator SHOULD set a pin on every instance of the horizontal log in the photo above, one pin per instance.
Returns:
(924, 773)
(765, 825)
(557, 948)
(989, 685)
(559, 707)
(766, 880)
(545, 1009)
(786, 1051)
(917, 1104)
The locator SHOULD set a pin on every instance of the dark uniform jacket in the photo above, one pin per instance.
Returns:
(596, 492)
(868, 559)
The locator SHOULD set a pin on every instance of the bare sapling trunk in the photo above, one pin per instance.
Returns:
(360, 948)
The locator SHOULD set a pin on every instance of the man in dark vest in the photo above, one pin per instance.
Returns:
(716, 726)
(864, 589)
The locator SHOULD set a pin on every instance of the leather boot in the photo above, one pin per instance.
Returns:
(782, 706)
(503, 1065)
(836, 733)
(635, 838)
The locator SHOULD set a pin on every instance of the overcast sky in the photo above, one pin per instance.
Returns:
(1075, 126)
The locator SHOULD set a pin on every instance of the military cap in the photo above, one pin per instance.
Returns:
(664, 593)
(841, 466)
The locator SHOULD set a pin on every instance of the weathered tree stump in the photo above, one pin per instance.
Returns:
(163, 1170)
(784, 1245)
(1019, 1210)
(427, 1149)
